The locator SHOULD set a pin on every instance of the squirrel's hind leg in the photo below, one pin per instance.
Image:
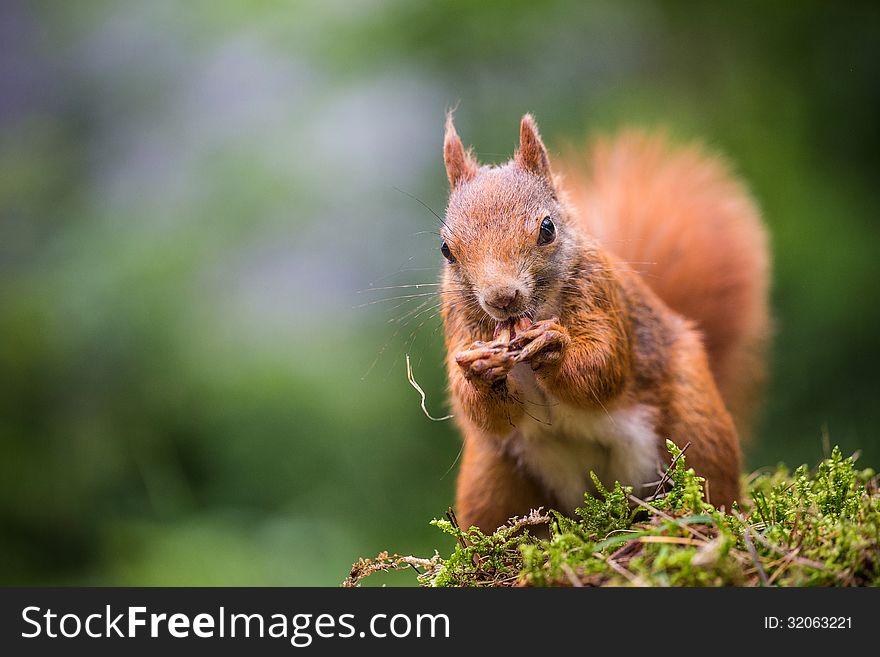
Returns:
(493, 488)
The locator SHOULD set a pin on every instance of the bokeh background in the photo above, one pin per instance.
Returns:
(200, 381)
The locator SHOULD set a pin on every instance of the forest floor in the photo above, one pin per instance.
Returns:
(800, 528)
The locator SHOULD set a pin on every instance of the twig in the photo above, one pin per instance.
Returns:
(783, 563)
(385, 563)
(535, 517)
(635, 579)
(668, 517)
(669, 469)
(572, 576)
(450, 515)
(754, 555)
(678, 540)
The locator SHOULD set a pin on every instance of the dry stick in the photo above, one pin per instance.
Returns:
(504, 581)
(535, 517)
(572, 576)
(669, 469)
(450, 515)
(638, 581)
(677, 540)
(412, 382)
(753, 553)
(621, 552)
(666, 516)
(783, 563)
(384, 563)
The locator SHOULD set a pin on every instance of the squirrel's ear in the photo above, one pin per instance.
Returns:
(532, 154)
(460, 164)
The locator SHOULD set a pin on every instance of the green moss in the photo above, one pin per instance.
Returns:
(792, 529)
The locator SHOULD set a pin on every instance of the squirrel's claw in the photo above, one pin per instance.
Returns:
(544, 342)
(487, 362)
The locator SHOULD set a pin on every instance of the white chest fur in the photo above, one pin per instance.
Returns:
(560, 444)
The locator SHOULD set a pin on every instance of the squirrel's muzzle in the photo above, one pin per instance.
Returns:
(503, 301)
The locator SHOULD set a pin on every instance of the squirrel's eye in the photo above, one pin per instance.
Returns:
(547, 233)
(444, 249)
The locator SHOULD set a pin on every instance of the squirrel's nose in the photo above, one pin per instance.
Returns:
(502, 299)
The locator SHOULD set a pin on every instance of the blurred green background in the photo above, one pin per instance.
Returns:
(200, 382)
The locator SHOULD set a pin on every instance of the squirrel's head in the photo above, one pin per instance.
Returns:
(506, 235)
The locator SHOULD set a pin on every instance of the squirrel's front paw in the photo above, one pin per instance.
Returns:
(486, 362)
(542, 343)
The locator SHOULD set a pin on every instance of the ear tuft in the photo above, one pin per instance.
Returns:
(532, 154)
(460, 164)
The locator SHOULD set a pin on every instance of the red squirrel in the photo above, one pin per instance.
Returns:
(590, 318)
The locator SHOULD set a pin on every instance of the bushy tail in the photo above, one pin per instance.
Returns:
(680, 217)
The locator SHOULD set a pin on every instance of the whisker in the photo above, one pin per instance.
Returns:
(409, 313)
(405, 296)
(402, 270)
(523, 408)
(413, 335)
(423, 204)
(420, 313)
(403, 303)
(460, 452)
(397, 287)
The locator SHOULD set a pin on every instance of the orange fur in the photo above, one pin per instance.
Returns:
(680, 219)
(605, 366)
